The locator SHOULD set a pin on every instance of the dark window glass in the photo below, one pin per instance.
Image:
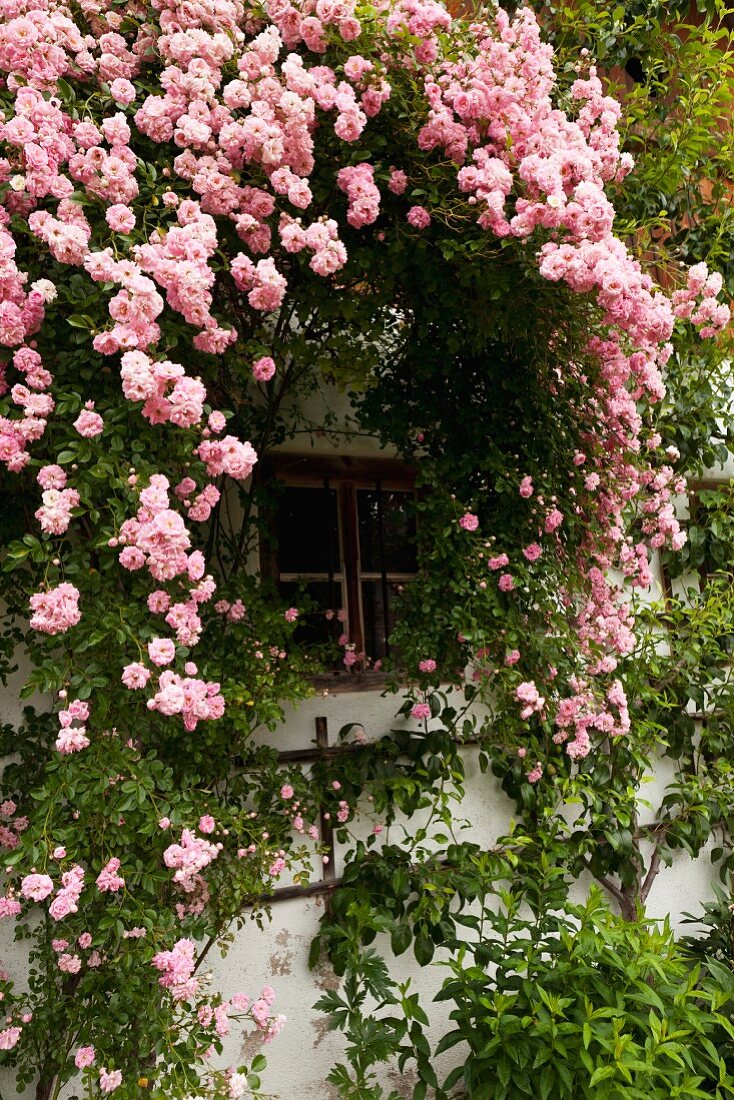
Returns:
(397, 554)
(314, 626)
(376, 636)
(308, 531)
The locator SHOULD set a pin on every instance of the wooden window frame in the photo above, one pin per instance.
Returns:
(346, 474)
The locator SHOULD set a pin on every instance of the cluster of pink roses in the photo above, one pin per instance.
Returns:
(189, 858)
(176, 968)
(73, 738)
(492, 114)
(55, 610)
(363, 195)
(54, 515)
(11, 827)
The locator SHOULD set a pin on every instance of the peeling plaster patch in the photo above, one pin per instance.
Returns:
(404, 1083)
(251, 1045)
(281, 962)
(324, 976)
(322, 1029)
(324, 979)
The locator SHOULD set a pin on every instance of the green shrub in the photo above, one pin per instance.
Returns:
(580, 1003)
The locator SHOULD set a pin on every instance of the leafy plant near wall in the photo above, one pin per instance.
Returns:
(547, 997)
(204, 210)
(582, 1003)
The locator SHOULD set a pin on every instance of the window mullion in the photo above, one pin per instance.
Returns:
(351, 560)
(383, 567)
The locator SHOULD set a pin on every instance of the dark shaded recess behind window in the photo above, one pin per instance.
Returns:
(379, 622)
(386, 521)
(313, 626)
(308, 531)
(388, 545)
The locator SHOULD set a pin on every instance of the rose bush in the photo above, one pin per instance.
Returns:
(205, 208)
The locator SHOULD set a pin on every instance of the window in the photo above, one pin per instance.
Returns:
(343, 529)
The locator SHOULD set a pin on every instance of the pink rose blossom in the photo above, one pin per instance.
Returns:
(419, 217)
(263, 369)
(135, 675)
(120, 218)
(89, 424)
(398, 181)
(108, 880)
(109, 1080)
(122, 91)
(161, 651)
(9, 1037)
(36, 887)
(9, 907)
(159, 602)
(51, 477)
(553, 520)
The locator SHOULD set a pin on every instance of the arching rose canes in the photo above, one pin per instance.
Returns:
(185, 190)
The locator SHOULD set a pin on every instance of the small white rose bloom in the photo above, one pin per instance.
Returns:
(45, 288)
(237, 1085)
(17, 183)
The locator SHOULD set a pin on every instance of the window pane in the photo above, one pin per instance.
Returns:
(398, 531)
(308, 531)
(373, 608)
(314, 627)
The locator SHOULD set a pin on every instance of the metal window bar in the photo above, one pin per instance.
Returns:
(383, 567)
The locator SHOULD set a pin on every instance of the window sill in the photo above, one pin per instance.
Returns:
(341, 683)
